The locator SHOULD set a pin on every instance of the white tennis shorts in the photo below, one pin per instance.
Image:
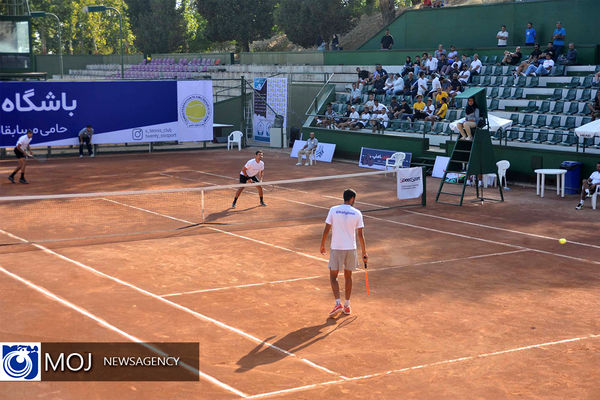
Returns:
(345, 259)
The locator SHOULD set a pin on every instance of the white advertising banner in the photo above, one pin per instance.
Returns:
(270, 94)
(410, 183)
(195, 111)
(323, 153)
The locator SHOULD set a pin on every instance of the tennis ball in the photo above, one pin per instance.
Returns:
(195, 111)
(562, 240)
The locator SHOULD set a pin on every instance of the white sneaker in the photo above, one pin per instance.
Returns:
(307, 164)
(81, 156)
(92, 155)
(299, 163)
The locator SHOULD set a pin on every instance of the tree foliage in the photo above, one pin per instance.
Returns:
(158, 25)
(241, 20)
(304, 20)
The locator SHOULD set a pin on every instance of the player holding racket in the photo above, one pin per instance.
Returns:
(22, 150)
(253, 171)
(343, 221)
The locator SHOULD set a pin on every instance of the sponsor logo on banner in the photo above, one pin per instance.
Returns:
(270, 98)
(410, 183)
(376, 158)
(323, 153)
(20, 362)
(196, 110)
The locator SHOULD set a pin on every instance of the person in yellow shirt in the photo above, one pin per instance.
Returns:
(419, 109)
(439, 96)
(440, 113)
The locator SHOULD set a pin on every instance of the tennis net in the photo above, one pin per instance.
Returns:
(132, 215)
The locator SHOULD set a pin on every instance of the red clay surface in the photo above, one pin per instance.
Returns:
(472, 302)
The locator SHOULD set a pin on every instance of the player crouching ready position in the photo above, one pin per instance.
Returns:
(343, 221)
(22, 150)
(253, 171)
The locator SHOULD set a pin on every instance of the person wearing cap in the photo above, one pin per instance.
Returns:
(558, 39)
(309, 147)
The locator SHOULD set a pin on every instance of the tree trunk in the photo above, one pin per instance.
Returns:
(388, 10)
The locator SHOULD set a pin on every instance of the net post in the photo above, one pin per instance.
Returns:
(202, 203)
(424, 195)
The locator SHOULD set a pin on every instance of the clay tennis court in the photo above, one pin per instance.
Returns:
(479, 301)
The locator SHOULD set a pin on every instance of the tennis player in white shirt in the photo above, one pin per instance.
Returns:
(343, 221)
(253, 171)
(22, 150)
(589, 186)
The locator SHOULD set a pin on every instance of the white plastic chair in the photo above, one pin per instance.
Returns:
(395, 161)
(311, 158)
(595, 196)
(503, 166)
(235, 137)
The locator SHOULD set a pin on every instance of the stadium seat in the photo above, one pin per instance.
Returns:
(505, 93)
(534, 81)
(394, 125)
(448, 130)
(518, 94)
(427, 127)
(494, 105)
(573, 108)
(494, 93)
(486, 81)
(492, 60)
(585, 120)
(437, 128)
(585, 110)
(540, 121)
(513, 134)
(544, 107)
(515, 119)
(498, 81)
(475, 80)
(574, 83)
(569, 140)
(587, 82)
(531, 107)
(527, 120)
(527, 136)
(484, 59)
(554, 123)
(417, 127)
(558, 108)
(542, 137)
(557, 95)
(405, 126)
(521, 82)
(486, 70)
(586, 95)
(571, 93)
(569, 123)
(451, 116)
(557, 137)
(498, 70)
(497, 135)
(588, 142)
(559, 70)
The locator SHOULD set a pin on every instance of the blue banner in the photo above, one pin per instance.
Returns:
(118, 111)
(375, 158)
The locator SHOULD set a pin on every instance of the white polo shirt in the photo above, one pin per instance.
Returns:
(503, 38)
(476, 63)
(253, 167)
(344, 220)
(595, 177)
(24, 142)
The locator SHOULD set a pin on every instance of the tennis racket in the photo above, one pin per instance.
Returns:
(42, 158)
(366, 277)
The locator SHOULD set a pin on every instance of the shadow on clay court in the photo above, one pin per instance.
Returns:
(292, 342)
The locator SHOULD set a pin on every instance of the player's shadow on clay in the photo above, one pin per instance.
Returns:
(292, 342)
(213, 218)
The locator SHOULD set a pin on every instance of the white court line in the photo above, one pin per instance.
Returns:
(113, 328)
(422, 366)
(357, 271)
(175, 305)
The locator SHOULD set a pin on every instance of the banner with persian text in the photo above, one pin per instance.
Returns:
(270, 98)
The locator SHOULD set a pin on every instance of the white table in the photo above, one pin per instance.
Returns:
(560, 180)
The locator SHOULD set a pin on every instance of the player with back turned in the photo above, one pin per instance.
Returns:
(344, 221)
(253, 171)
(22, 150)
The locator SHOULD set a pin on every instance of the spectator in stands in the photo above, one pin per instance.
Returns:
(429, 109)
(351, 120)
(570, 58)
(424, 60)
(476, 65)
(440, 112)
(520, 70)
(548, 50)
(389, 84)
(378, 85)
(558, 39)
(542, 69)
(355, 95)
(320, 43)
(85, 136)
(465, 75)
(387, 41)
(448, 69)
(418, 109)
(411, 86)
(439, 95)
(377, 106)
(365, 116)
(439, 52)
(432, 64)
(405, 111)
(427, 4)
(595, 106)
(464, 60)
(393, 108)
(502, 36)
(343, 120)
(588, 186)
(398, 87)
(379, 71)
(452, 55)
(471, 120)
(456, 87)
(335, 42)
(309, 147)
(422, 84)
(381, 121)
(370, 101)
(363, 77)
(596, 79)
(408, 66)
(443, 63)
(435, 85)
(445, 84)
(512, 58)
(329, 119)
(438, 3)
(530, 35)
(535, 54)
